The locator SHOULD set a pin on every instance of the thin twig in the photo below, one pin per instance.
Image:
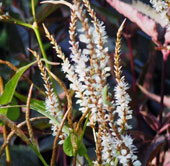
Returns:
(9, 64)
(27, 115)
(57, 136)
(12, 133)
(14, 127)
(60, 3)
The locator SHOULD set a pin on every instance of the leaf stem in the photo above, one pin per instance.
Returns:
(88, 159)
(37, 33)
(33, 10)
(84, 128)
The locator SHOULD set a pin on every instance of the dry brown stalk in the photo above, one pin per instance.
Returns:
(61, 2)
(69, 100)
(68, 115)
(14, 127)
(57, 136)
(27, 115)
(12, 133)
(99, 147)
(9, 64)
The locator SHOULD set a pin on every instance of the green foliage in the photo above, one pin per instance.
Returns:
(10, 87)
(73, 146)
(9, 91)
(3, 38)
(82, 149)
(13, 113)
(67, 146)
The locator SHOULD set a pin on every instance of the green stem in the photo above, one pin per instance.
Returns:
(84, 128)
(116, 159)
(88, 159)
(37, 33)
(81, 137)
(34, 148)
(33, 10)
(19, 22)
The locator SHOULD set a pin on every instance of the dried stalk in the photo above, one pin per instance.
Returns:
(27, 115)
(12, 133)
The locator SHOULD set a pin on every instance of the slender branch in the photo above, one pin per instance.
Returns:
(12, 133)
(67, 114)
(27, 116)
(67, 95)
(14, 127)
(61, 2)
(57, 136)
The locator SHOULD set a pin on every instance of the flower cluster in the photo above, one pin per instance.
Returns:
(162, 7)
(88, 73)
(51, 102)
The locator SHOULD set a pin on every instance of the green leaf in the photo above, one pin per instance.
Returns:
(44, 11)
(13, 113)
(67, 146)
(82, 149)
(10, 87)
(3, 38)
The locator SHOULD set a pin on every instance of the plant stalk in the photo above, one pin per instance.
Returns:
(165, 57)
(132, 64)
(8, 156)
(33, 10)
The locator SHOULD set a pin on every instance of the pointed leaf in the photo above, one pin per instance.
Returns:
(82, 149)
(44, 11)
(11, 85)
(13, 113)
(67, 146)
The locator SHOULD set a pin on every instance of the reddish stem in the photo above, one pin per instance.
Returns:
(65, 159)
(131, 63)
(58, 154)
(165, 57)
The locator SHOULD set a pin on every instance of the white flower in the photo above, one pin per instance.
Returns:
(162, 8)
